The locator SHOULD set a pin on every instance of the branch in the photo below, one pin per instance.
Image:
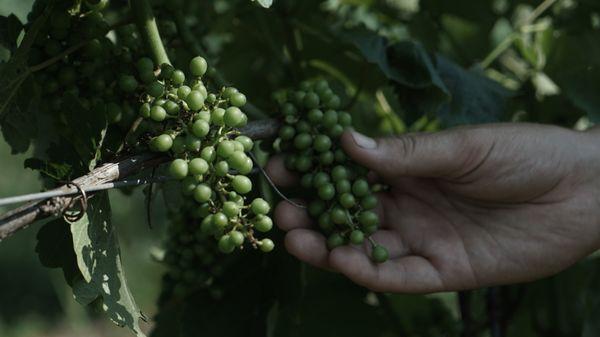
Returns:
(23, 216)
(146, 24)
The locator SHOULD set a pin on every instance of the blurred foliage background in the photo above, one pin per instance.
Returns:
(544, 66)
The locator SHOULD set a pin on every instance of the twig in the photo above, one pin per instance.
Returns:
(20, 218)
(146, 24)
(264, 173)
(508, 41)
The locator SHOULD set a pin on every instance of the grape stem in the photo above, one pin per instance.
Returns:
(264, 173)
(146, 24)
(108, 173)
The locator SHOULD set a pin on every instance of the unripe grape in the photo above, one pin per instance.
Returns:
(316, 208)
(192, 143)
(208, 153)
(347, 200)
(357, 237)
(237, 238)
(360, 188)
(217, 115)
(241, 184)
(231, 209)
(221, 168)
(220, 220)
(263, 223)
(202, 193)
(266, 245)
(225, 244)
(368, 218)
(379, 254)
(177, 77)
(260, 206)
(338, 216)
(198, 166)
(178, 169)
(195, 100)
(335, 240)
(155, 89)
(233, 116)
(302, 141)
(246, 142)
(200, 128)
(162, 143)
(198, 66)
(322, 143)
(238, 99)
(183, 91)
(128, 83)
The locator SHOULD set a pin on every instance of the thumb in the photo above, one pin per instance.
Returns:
(441, 154)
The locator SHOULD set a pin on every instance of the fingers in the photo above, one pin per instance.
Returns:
(438, 154)
(279, 174)
(410, 274)
(308, 246)
(288, 217)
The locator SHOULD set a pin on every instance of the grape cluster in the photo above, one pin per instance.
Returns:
(344, 203)
(201, 131)
(94, 68)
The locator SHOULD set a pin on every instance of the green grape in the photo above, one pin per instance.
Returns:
(303, 141)
(368, 218)
(188, 185)
(221, 168)
(155, 89)
(226, 245)
(343, 186)
(183, 91)
(338, 216)
(336, 131)
(287, 132)
(368, 202)
(311, 100)
(208, 153)
(171, 107)
(158, 113)
(231, 209)
(238, 99)
(195, 100)
(322, 143)
(347, 200)
(225, 149)
(316, 208)
(192, 143)
(288, 109)
(220, 220)
(178, 169)
(335, 240)
(200, 128)
(345, 119)
(266, 245)
(315, 116)
(339, 173)
(260, 206)
(202, 193)
(178, 77)
(128, 83)
(326, 192)
(360, 188)
(307, 180)
(320, 179)
(246, 142)
(325, 222)
(241, 184)
(229, 92)
(379, 254)
(166, 71)
(198, 166)
(330, 118)
(198, 66)
(233, 116)
(326, 158)
(357, 237)
(162, 143)
(144, 65)
(304, 163)
(237, 238)
(263, 223)
(217, 116)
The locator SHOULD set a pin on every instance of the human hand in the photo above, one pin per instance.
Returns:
(467, 207)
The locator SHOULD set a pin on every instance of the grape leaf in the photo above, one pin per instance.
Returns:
(265, 3)
(576, 70)
(10, 28)
(55, 248)
(99, 261)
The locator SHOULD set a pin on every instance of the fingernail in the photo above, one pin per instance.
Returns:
(364, 141)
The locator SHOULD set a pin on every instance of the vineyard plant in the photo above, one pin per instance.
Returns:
(186, 101)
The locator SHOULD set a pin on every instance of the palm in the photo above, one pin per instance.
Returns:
(506, 211)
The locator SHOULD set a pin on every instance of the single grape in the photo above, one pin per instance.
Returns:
(311, 100)
(241, 184)
(221, 168)
(266, 245)
(302, 141)
(260, 206)
(335, 240)
(263, 223)
(208, 153)
(320, 179)
(192, 143)
(226, 245)
(202, 193)
(178, 77)
(238, 99)
(237, 238)
(200, 128)
(195, 100)
(198, 166)
(217, 116)
(231, 209)
(360, 188)
(183, 91)
(155, 89)
(233, 116)
(357, 237)
(322, 143)
(162, 143)
(246, 142)
(343, 186)
(127, 83)
(338, 216)
(347, 200)
(198, 66)
(339, 173)
(144, 65)
(368, 218)
(171, 108)
(379, 254)
(316, 208)
(225, 149)
(315, 116)
(178, 169)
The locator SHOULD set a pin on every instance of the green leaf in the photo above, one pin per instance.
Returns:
(55, 248)
(10, 28)
(89, 134)
(99, 261)
(574, 64)
(475, 98)
(265, 3)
